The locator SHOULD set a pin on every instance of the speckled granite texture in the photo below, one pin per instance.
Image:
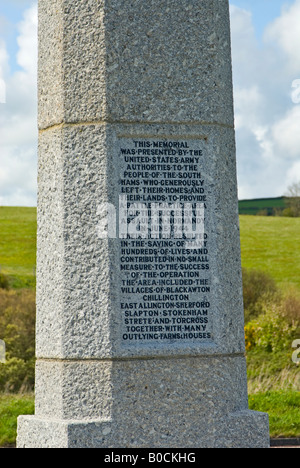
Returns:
(116, 74)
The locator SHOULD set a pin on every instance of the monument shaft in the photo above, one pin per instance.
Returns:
(140, 339)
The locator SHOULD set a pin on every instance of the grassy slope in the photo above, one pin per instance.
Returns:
(18, 244)
(11, 406)
(268, 243)
(283, 408)
(272, 244)
(252, 207)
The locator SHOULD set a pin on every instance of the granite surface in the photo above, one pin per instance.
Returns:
(114, 60)
(151, 79)
(189, 402)
(78, 281)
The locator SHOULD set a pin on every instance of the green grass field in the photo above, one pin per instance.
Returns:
(11, 406)
(272, 244)
(18, 245)
(283, 408)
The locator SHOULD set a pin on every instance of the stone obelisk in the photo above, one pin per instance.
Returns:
(140, 339)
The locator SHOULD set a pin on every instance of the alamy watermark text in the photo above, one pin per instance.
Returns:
(153, 221)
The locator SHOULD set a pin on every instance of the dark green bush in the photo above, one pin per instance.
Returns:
(258, 286)
(271, 331)
(4, 284)
(17, 329)
(272, 317)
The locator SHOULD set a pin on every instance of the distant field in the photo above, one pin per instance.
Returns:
(18, 244)
(266, 205)
(272, 244)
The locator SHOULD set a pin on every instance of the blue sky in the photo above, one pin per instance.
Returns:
(11, 13)
(266, 63)
(263, 11)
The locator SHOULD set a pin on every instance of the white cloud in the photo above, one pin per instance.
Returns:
(3, 71)
(18, 120)
(3, 58)
(249, 103)
(293, 174)
(286, 134)
(285, 32)
(267, 118)
(27, 41)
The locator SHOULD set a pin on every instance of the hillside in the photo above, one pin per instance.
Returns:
(265, 206)
(18, 245)
(271, 244)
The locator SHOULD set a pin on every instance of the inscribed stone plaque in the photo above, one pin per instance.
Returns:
(165, 204)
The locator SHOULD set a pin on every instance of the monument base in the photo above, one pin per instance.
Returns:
(245, 429)
(155, 403)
